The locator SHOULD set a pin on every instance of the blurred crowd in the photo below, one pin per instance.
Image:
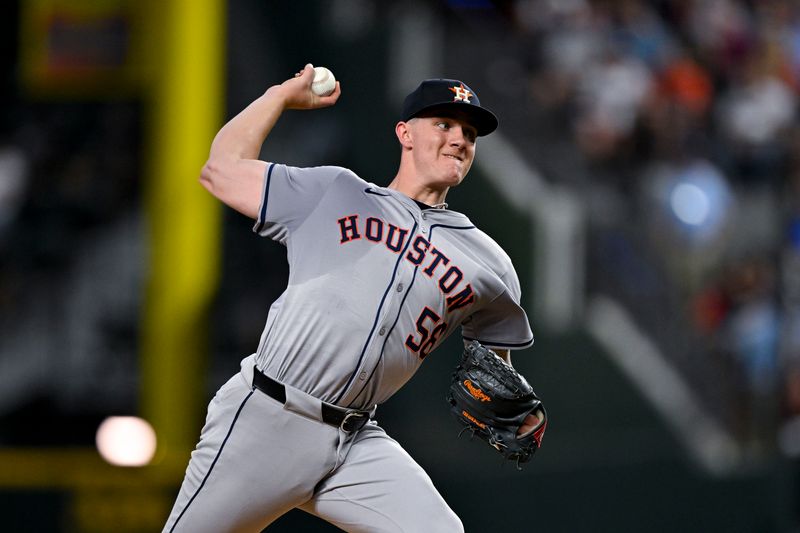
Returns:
(684, 114)
(72, 265)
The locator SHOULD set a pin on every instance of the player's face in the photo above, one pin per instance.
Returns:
(444, 148)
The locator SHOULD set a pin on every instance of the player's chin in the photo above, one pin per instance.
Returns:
(455, 176)
(448, 182)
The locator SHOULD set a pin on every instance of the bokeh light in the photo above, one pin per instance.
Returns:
(699, 200)
(126, 441)
(690, 204)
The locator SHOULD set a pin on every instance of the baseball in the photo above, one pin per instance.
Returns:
(324, 83)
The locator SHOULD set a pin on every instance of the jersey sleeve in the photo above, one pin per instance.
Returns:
(289, 195)
(502, 323)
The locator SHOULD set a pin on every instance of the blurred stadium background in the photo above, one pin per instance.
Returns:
(645, 179)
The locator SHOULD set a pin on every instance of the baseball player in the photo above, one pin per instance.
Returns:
(378, 278)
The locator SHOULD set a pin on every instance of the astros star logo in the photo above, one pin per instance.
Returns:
(462, 94)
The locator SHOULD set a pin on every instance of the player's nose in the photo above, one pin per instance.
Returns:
(458, 136)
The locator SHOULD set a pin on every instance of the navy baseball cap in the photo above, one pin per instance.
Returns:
(448, 94)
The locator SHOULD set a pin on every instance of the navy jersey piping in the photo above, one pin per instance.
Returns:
(262, 216)
(377, 315)
(211, 468)
(386, 338)
(400, 308)
(500, 344)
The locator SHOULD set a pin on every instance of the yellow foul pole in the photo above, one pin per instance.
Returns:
(185, 110)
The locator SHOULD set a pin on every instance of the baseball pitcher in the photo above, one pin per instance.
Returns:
(379, 276)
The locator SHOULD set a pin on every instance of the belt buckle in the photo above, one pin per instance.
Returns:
(358, 420)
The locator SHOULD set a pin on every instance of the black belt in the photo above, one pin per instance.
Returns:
(347, 419)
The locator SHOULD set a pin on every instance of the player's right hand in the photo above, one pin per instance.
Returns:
(297, 92)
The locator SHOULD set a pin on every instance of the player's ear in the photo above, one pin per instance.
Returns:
(403, 132)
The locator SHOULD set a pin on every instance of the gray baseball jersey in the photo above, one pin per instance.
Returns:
(375, 285)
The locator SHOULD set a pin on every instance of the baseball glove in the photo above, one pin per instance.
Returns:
(492, 400)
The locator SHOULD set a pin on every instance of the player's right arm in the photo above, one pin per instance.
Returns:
(233, 172)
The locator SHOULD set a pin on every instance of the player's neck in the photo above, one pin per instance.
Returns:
(417, 191)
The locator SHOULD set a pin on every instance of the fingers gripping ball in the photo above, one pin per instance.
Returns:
(324, 83)
(492, 400)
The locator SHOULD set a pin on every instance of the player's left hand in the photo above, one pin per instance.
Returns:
(497, 404)
(531, 422)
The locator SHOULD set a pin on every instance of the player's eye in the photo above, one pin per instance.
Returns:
(469, 133)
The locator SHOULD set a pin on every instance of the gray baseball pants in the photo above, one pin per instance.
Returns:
(257, 459)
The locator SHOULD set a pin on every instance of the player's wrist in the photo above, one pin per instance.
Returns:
(278, 95)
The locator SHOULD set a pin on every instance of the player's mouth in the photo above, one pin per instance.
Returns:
(453, 156)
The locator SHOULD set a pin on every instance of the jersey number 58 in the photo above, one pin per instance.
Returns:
(427, 335)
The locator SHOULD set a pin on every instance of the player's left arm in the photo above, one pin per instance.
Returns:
(505, 355)
(505, 316)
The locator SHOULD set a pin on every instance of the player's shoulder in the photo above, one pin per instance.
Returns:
(331, 171)
(487, 248)
(475, 233)
(347, 175)
(497, 251)
(323, 175)
(342, 175)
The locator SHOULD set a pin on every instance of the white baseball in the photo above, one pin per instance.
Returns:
(324, 83)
